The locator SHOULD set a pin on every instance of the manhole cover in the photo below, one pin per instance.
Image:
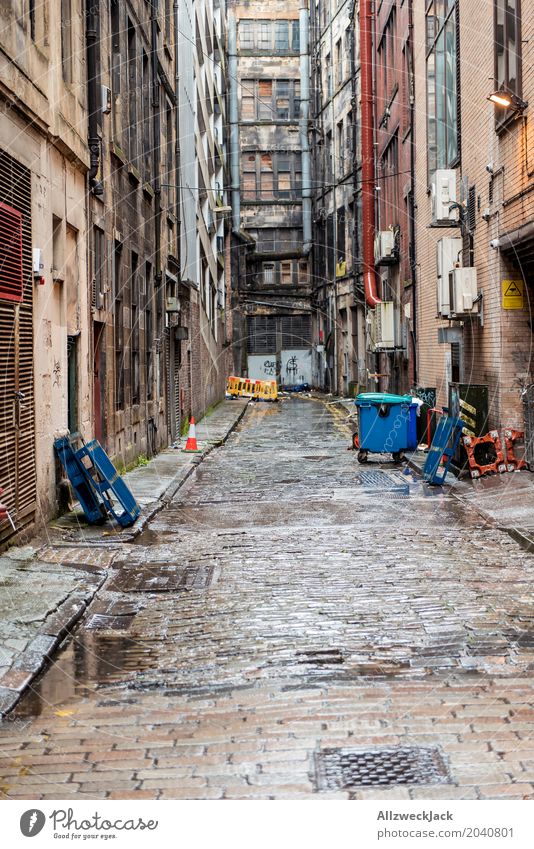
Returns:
(161, 578)
(338, 769)
(383, 481)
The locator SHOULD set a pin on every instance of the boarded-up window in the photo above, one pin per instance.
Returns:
(265, 97)
(249, 176)
(266, 176)
(11, 288)
(248, 106)
(286, 271)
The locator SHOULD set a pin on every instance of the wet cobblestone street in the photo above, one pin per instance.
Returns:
(286, 603)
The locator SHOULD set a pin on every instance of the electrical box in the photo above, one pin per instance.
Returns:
(385, 248)
(448, 254)
(172, 305)
(37, 261)
(443, 194)
(463, 292)
(382, 329)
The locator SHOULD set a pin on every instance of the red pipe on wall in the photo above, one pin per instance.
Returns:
(368, 154)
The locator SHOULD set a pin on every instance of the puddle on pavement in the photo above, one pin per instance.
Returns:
(88, 660)
(149, 537)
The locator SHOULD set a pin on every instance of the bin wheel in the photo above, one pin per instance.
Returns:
(397, 456)
(355, 442)
(362, 456)
(530, 467)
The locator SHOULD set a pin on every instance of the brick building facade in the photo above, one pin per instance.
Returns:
(463, 54)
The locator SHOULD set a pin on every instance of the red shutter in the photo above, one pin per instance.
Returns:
(11, 288)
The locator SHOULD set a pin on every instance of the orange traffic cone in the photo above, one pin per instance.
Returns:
(191, 444)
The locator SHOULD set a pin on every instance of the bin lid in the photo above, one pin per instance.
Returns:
(381, 398)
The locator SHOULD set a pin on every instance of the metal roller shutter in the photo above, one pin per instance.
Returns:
(17, 418)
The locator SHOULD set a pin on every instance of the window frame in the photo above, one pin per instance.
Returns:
(443, 118)
(502, 115)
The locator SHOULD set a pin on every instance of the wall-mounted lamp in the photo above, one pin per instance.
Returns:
(508, 100)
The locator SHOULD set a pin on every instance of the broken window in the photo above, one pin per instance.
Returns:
(265, 98)
(266, 176)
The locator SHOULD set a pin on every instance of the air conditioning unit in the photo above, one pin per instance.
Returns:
(448, 255)
(382, 330)
(463, 292)
(385, 248)
(443, 190)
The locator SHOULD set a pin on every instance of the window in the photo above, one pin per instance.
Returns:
(119, 336)
(339, 63)
(441, 77)
(132, 94)
(328, 71)
(31, 12)
(508, 46)
(281, 36)
(149, 334)
(268, 272)
(280, 240)
(66, 40)
(11, 281)
(267, 175)
(265, 97)
(281, 39)
(246, 35)
(286, 272)
(147, 123)
(270, 100)
(99, 268)
(134, 338)
(390, 183)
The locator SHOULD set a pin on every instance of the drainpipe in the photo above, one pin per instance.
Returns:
(92, 17)
(234, 123)
(303, 126)
(157, 139)
(368, 153)
(413, 254)
(177, 166)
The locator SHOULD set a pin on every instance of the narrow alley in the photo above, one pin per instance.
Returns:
(287, 616)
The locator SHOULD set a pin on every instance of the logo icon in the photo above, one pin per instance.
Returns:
(32, 822)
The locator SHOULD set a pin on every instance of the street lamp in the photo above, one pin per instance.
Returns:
(508, 100)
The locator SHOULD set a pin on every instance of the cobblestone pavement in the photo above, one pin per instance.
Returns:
(288, 603)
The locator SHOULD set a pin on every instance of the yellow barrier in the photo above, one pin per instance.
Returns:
(243, 387)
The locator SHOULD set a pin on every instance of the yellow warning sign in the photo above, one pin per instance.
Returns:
(512, 294)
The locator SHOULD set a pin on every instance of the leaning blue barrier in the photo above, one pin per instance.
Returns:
(95, 481)
(444, 444)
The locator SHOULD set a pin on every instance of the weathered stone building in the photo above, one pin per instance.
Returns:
(44, 328)
(114, 268)
(270, 179)
(475, 200)
(340, 328)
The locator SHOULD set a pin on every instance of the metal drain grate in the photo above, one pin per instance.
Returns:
(379, 480)
(161, 578)
(338, 769)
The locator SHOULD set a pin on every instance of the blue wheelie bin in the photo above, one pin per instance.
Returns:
(386, 424)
